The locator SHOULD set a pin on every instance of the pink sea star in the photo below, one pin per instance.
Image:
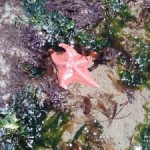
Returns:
(72, 67)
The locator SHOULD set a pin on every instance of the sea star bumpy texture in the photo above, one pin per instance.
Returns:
(72, 67)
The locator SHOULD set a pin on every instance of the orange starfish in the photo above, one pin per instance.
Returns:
(72, 67)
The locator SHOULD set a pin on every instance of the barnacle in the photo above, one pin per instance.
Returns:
(2, 2)
(57, 98)
(33, 39)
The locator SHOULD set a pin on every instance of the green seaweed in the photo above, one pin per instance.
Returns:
(32, 70)
(136, 71)
(141, 136)
(52, 130)
(117, 15)
(79, 133)
(133, 66)
(59, 28)
(130, 78)
(34, 10)
(26, 125)
(26, 114)
(10, 122)
(85, 39)
(89, 135)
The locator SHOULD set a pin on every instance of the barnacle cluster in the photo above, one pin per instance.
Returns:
(33, 39)
(57, 98)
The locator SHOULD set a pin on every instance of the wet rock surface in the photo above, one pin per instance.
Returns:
(12, 78)
(82, 12)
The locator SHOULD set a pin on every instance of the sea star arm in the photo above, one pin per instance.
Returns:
(84, 61)
(65, 77)
(70, 52)
(83, 76)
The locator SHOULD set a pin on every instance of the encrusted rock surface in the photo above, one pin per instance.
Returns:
(82, 12)
(12, 78)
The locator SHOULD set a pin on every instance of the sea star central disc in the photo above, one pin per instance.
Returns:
(72, 67)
